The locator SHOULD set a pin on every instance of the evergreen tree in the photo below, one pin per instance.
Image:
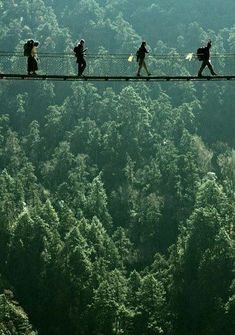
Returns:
(13, 319)
(206, 253)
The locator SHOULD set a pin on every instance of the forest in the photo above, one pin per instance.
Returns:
(117, 200)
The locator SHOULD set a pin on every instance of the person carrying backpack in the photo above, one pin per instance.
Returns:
(203, 55)
(30, 51)
(140, 56)
(80, 54)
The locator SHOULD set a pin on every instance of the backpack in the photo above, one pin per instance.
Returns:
(28, 48)
(79, 52)
(201, 54)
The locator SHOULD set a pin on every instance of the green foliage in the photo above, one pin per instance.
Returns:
(109, 299)
(117, 200)
(205, 266)
(13, 320)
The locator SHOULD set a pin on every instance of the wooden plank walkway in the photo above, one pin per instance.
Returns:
(10, 76)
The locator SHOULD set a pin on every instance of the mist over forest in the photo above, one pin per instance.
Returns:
(117, 199)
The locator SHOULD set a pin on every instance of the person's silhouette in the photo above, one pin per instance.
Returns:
(140, 57)
(80, 53)
(205, 57)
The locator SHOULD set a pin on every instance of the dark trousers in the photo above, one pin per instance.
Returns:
(206, 62)
(142, 63)
(32, 64)
(81, 65)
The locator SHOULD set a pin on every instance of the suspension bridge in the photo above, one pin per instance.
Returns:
(115, 67)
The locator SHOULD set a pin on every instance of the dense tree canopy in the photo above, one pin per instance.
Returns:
(117, 201)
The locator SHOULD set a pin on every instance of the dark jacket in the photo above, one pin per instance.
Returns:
(206, 55)
(79, 51)
(141, 52)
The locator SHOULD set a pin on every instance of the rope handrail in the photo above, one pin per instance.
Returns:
(117, 55)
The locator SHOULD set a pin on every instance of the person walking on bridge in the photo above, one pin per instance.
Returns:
(30, 50)
(140, 56)
(203, 55)
(80, 55)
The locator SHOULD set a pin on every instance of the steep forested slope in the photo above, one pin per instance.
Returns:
(117, 202)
